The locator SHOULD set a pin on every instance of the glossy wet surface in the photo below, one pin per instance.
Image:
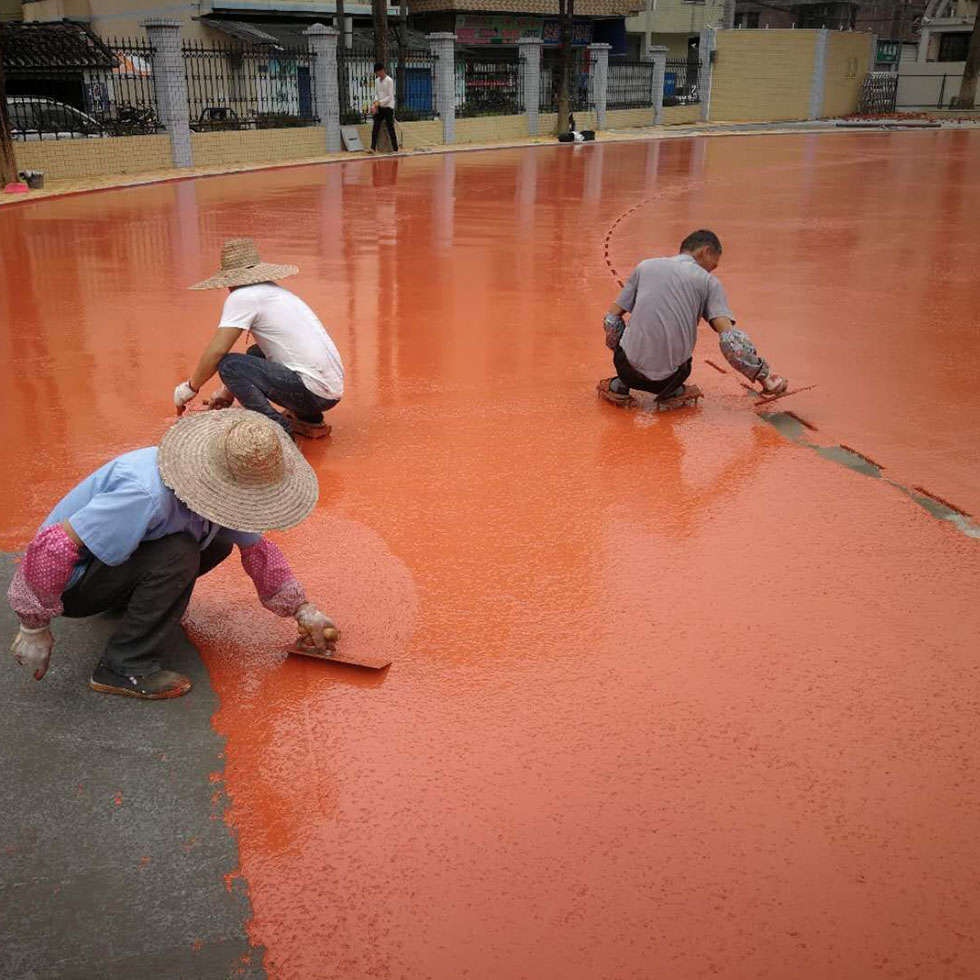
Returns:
(671, 695)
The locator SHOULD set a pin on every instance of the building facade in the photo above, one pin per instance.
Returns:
(676, 25)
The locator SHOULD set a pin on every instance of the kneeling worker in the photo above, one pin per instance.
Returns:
(137, 534)
(294, 364)
(666, 299)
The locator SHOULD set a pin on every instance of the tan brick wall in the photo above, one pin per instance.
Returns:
(548, 122)
(491, 129)
(64, 159)
(257, 146)
(848, 60)
(762, 75)
(411, 135)
(678, 115)
(628, 118)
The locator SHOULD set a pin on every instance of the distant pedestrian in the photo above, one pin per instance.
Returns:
(384, 106)
(294, 362)
(666, 299)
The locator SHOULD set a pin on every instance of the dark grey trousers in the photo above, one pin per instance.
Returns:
(154, 587)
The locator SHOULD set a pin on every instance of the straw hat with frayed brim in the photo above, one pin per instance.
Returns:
(238, 469)
(241, 266)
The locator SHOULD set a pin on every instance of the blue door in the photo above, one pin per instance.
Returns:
(305, 92)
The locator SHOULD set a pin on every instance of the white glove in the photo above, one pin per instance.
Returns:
(318, 629)
(183, 393)
(32, 649)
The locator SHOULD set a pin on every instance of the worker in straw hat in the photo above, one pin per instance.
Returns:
(294, 363)
(138, 533)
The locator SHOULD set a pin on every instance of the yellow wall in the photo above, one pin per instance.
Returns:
(677, 115)
(257, 146)
(411, 135)
(848, 61)
(61, 159)
(628, 118)
(763, 75)
(491, 129)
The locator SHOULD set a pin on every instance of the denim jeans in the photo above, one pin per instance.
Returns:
(255, 381)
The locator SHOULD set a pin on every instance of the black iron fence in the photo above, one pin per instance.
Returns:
(629, 84)
(412, 70)
(111, 94)
(488, 84)
(578, 81)
(681, 83)
(248, 87)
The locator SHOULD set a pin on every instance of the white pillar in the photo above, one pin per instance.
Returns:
(658, 55)
(706, 53)
(170, 87)
(323, 44)
(599, 80)
(819, 77)
(443, 47)
(529, 49)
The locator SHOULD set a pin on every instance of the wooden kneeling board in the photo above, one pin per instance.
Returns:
(338, 657)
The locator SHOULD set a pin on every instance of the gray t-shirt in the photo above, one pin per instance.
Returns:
(666, 298)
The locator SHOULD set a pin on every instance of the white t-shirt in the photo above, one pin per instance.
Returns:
(289, 333)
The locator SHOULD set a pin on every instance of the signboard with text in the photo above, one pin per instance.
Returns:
(480, 29)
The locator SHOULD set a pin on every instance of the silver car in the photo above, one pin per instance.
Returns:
(36, 118)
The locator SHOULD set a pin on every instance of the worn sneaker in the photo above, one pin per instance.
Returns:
(157, 686)
(607, 390)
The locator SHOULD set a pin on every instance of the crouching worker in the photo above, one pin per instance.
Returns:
(294, 362)
(666, 299)
(136, 535)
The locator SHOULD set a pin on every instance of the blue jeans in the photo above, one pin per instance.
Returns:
(255, 381)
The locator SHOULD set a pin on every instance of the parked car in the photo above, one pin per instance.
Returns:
(36, 118)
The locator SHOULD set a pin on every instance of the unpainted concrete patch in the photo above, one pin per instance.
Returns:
(115, 849)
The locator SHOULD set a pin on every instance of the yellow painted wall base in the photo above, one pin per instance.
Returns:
(67, 159)
(679, 115)
(257, 146)
(629, 118)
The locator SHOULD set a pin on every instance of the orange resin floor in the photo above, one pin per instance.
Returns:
(672, 696)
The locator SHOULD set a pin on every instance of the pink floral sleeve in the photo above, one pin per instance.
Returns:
(35, 591)
(275, 583)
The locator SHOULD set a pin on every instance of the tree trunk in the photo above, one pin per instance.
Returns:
(8, 165)
(402, 35)
(379, 19)
(342, 82)
(566, 11)
(968, 87)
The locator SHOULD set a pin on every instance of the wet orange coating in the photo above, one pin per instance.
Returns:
(671, 696)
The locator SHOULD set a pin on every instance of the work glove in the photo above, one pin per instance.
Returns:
(316, 628)
(614, 327)
(773, 384)
(183, 393)
(32, 649)
(222, 398)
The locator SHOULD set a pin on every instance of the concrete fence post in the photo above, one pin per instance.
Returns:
(818, 79)
(599, 81)
(326, 87)
(170, 87)
(529, 49)
(657, 53)
(707, 45)
(443, 45)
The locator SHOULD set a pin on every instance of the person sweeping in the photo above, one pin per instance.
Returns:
(666, 299)
(136, 534)
(293, 363)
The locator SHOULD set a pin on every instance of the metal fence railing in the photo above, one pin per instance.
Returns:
(681, 83)
(248, 86)
(488, 85)
(629, 84)
(578, 85)
(878, 93)
(111, 95)
(413, 83)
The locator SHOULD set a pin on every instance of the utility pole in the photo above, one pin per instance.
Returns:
(402, 36)
(8, 164)
(968, 87)
(379, 20)
(566, 11)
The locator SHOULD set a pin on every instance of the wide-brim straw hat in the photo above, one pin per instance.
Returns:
(238, 469)
(241, 266)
